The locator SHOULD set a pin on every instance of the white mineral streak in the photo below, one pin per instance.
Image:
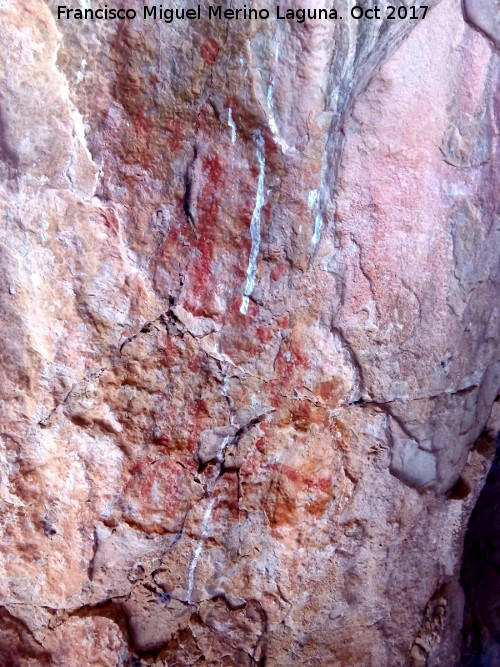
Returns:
(255, 226)
(206, 524)
(272, 122)
(232, 125)
(76, 116)
(312, 199)
(313, 204)
(81, 72)
(318, 226)
(79, 129)
(225, 384)
(271, 118)
(336, 100)
(199, 547)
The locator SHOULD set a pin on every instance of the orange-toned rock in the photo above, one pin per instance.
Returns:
(249, 339)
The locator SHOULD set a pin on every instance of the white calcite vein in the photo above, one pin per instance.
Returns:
(314, 202)
(255, 226)
(271, 118)
(232, 125)
(205, 525)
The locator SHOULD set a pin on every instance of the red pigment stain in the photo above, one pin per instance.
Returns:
(261, 445)
(270, 146)
(232, 495)
(267, 210)
(136, 470)
(194, 364)
(277, 271)
(209, 51)
(198, 414)
(288, 472)
(147, 483)
(201, 274)
(238, 270)
(287, 370)
(233, 103)
(299, 356)
(177, 135)
(206, 238)
(165, 472)
(274, 392)
(170, 349)
(251, 466)
(265, 426)
(264, 334)
(282, 322)
(197, 408)
(321, 483)
(142, 124)
(240, 319)
(163, 440)
(241, 337)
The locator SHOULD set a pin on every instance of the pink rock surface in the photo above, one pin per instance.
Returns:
(250, 335)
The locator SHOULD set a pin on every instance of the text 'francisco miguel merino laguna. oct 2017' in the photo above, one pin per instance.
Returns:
(243, 13)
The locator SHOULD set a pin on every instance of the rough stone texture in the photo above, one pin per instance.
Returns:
(250, 330)
(485, 15)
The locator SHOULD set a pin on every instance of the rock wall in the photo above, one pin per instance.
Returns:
(250, 326)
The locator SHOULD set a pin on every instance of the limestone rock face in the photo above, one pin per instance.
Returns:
(250, 325)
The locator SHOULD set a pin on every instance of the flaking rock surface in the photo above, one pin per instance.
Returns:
(249, 342)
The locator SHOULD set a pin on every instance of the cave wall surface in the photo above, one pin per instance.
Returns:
(250, 318)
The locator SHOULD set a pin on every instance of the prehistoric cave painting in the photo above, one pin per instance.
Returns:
(185, 480)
